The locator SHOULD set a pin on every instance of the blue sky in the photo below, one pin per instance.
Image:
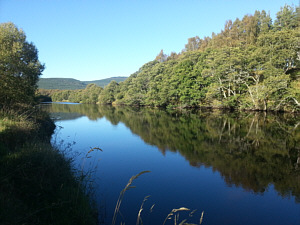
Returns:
(96, 39)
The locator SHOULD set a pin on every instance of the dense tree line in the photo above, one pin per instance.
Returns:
(89, 95)
(253, 64)
(19, 67)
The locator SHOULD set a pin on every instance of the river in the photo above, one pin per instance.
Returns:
(237, 168)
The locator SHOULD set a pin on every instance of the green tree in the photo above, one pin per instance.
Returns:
(264, 21)
(91, 94)
(193, 44)
(287, 18)
(251, 64)
(107, 96)
(19, 67)
(161, 57)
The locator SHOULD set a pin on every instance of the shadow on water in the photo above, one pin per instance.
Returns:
(249, 149)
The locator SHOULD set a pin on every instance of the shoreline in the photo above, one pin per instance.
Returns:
(178, 107)
(38, 184)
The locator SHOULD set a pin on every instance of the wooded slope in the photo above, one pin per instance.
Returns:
(253, 64)
(73, 84)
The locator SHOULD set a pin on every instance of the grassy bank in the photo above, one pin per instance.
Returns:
(37, 183)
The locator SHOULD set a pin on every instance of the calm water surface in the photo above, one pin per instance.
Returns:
(237, 168)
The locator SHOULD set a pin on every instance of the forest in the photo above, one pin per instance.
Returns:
(252, 64)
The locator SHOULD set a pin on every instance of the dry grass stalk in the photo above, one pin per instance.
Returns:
(201, 219)
(91, 150)
(122, 193)
(139, 219)
(151, 208)
(176, 216)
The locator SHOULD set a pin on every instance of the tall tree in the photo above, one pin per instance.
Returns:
(287, 18)
(264, 21)
(250, 64)
(107, 96)
(161, 57)
(19, 67)
(193, 44)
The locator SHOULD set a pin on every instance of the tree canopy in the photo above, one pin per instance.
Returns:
(252, 64)
(19, 67)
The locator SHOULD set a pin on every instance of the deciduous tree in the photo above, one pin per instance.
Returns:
(19, 67)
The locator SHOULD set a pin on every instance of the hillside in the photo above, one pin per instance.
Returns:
(104, 82)
(73, 84)
(60, 83)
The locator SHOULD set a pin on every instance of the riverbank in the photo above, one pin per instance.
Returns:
(37, 183)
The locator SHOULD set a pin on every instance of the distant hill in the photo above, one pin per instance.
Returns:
(106, 81)
(72, 84)
(60, 83)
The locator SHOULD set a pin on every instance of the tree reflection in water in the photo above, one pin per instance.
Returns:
(249, 149)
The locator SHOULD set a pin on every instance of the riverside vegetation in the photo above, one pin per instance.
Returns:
(252, 64)
(37, 183)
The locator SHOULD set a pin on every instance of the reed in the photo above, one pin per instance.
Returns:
(122, 193)
(139, 218)
(174, 214)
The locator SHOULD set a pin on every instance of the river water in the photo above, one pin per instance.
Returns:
(237, 168)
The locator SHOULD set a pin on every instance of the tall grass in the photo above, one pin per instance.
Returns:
(37, 183)
(122, 193)
(173, 215)
(10, 119)
(18, 127)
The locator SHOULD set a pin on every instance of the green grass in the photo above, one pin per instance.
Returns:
(37, 183)
(38, 186)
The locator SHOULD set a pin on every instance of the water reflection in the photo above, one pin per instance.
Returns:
(250, 149)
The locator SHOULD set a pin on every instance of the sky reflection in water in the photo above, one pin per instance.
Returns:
(231, 179)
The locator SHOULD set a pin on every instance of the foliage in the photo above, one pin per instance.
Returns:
(88, 95)
(252, 64)
(19, 67)
(37, 183)
(107, 96)
(44, 95)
